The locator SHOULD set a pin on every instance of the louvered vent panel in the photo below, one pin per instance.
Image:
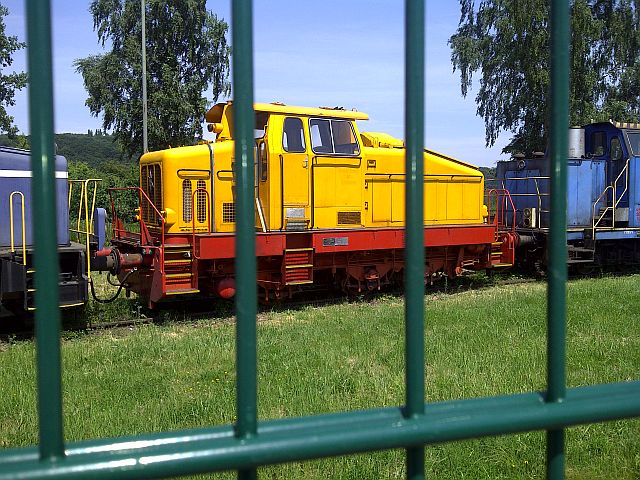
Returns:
(228, 212)
(201, 202)
(186, 200)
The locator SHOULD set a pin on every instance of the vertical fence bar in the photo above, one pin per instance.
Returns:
(414, 234)
(246, 303)
(44, 230)
(556, 293)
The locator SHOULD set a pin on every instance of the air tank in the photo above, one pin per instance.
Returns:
(576, 142)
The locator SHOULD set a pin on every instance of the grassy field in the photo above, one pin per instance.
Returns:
(350, 356)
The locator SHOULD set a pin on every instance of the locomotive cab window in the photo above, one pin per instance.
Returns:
(333, 136)
(598, 143)
(293, 135)
(261, 152)
(615, 152)
(634, 141)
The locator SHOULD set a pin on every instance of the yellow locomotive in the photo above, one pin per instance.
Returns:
(329, 203)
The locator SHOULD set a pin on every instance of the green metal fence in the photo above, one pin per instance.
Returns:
(249, 443)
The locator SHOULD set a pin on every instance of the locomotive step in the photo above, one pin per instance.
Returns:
(182, 291)
(307, 265)
(178, 275)
(581, 249)
(178, 261)
(300, 282)
(171, 251)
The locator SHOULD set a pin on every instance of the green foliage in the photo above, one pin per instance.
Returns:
(187, 53)
(11, 82)
(506, 42)
(113, 175)
(488, 172)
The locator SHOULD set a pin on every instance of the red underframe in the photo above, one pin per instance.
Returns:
(222, 245)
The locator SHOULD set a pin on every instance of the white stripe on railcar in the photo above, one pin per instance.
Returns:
(26, 174)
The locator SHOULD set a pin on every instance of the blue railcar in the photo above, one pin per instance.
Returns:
(16, 236)
(603, 197)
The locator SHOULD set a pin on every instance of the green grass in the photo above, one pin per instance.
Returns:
(350, 356)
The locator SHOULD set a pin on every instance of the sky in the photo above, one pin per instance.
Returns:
(347, 53)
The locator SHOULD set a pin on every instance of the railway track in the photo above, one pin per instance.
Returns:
(11, 331)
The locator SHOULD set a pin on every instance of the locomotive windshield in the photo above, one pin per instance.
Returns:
(333, 136)
(634, 141)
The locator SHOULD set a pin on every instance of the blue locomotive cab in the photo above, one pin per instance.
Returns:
(603, 196)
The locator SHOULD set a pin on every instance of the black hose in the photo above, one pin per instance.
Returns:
(109, 277)
(109, 300)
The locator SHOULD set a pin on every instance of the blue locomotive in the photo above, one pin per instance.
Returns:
(603, 204)
(17, 288)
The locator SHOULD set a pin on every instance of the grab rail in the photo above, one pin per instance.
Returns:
(502, 195)
(24, 232)
(616, 201)
(194, 214)
(83, 209)
(144, 231)
(538, 193)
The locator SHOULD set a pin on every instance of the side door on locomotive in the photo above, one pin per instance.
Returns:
(309, 170)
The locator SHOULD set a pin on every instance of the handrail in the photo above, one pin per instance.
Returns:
(263, 223)
(499, 218)
(83, 207)
(143, 226)
(538, 193)
(616, 200)
(625, 170)
(194, 213)
(24, 233)
(539, 211)
(473, 178)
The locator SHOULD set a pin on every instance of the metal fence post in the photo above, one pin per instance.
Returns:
(557, 270)
(246, 296)
(414, 233)
(44, 227)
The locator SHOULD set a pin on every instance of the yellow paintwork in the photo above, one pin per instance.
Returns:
(301, 190)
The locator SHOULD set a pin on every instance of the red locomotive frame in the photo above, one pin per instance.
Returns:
(158, 266)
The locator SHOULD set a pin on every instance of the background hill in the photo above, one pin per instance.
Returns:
(92, 148)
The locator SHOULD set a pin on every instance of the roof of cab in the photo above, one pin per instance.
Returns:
(625, 125)
(214, 115)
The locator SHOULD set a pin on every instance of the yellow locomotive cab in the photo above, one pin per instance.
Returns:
(314, 170)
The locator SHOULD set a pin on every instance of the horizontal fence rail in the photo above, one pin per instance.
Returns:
(277, 441)
(251, 443)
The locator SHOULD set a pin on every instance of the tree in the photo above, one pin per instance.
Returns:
(507, 43)
(187, 53)
(11, 82)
